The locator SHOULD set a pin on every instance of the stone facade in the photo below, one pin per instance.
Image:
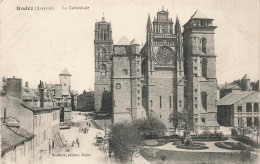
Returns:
(200, 72)
(173, 72)
(126, 83)
(103, 50)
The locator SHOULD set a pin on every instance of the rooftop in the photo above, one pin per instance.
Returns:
(199, 15)
(123, 41)
(234, 97)
(12, 137)
(65, 72)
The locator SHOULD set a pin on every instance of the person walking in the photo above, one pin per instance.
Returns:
(77, 141)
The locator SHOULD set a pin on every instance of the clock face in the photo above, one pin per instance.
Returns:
(164, 55)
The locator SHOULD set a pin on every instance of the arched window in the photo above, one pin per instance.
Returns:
(204, 100)
(203, 120)
(256, 107)
(103, 69)
(103, 53)
(204, 64)
(204, 45)
(248, 107)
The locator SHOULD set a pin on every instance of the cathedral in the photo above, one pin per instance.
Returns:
(173, 72)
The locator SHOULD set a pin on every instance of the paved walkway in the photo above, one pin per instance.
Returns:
(87, 152)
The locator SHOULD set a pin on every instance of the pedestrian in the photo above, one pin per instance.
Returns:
(77, 141)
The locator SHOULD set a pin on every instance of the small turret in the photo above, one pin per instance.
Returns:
(245, 82)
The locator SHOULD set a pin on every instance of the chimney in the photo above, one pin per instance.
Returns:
(26, 84)
(4, 115)
(41, 94)
(13, 77)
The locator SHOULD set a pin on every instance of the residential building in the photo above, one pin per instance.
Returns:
(239, 109)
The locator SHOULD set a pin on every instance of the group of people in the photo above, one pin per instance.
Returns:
(73, 142)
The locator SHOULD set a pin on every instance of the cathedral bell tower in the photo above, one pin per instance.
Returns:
(103, 44)
(200, 72)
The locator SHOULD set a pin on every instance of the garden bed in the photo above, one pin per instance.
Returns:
(190, 157)
(232, 145)
(155, 142)
(194, 146)
(247, 140)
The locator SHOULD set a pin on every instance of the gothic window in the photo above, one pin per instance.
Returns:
(180, 103)
(203, 120)
(256, 107)
(204, 100)
(248, 107)
(204, 45)
(103, 69)
(103, 53)
(118, 86)
(164, 55)
(204, 67)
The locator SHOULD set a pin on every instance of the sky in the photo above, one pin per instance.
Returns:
(38, 45)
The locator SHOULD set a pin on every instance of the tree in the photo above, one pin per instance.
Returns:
(124, 141)
(150, 128)
(181, 119)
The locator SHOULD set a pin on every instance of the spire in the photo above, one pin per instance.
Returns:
(177, 25)
(149, 25)
(103, 17)
(162, 8)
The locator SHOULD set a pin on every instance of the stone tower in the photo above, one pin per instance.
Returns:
(103, 50)
(65, 81)
(162, 68)
(200, 72)
(245, 83)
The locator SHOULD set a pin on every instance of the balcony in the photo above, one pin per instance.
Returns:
(163, 35)
(247, 114)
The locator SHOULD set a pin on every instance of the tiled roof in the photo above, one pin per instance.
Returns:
(234, 97)
(37, 109)
(123, 41)
(199, 15)
(13, 136)
(254, 97)
(28, 93)
(65, 72)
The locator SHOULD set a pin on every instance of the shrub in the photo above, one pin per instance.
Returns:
(151, 128)
(234, 132)
(247, 140)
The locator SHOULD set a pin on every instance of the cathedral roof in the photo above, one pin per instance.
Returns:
(199, 15)
(65, 72)
(123, 41)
